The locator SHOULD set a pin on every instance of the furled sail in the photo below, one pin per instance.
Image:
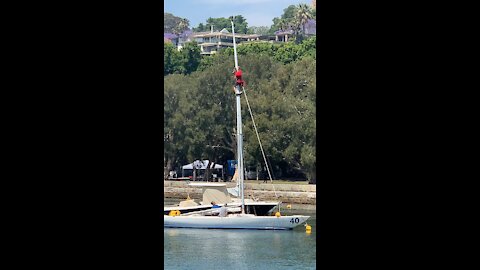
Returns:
(235, 191)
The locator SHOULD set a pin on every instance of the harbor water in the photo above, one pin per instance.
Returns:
(241, 249)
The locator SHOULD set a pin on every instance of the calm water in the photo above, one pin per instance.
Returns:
(241, 249)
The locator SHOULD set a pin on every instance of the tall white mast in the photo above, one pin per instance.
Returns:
(238, 94)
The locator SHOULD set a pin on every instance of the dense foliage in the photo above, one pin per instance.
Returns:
(259, 30)
(189, 59)
(218, 24)
(184, 61)
(282, 52)
(199, 117)
(294, 18)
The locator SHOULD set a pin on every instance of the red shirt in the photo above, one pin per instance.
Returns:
(238, 74)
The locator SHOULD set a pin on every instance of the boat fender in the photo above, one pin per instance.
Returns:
(277, 214)
(174, 213)
(308, 228)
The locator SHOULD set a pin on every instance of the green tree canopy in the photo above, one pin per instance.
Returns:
(199, 118)
(184, 61)
(241, 25)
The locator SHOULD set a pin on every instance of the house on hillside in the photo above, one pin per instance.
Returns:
(211, 42)
(284, 35)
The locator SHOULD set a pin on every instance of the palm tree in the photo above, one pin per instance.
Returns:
(302, 16)
(180, 28)
(183, 24)
(282, 24)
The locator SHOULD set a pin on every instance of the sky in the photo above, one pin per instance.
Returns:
(256, 12)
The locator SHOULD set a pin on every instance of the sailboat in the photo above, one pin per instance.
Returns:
(235, 220)
(219, 193)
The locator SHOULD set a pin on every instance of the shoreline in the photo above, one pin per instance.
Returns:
(293, 194)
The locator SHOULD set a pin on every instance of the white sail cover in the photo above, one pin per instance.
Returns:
(219, 195)
(216, 192)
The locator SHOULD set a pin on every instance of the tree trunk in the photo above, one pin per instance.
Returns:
(207, 172)
(167, 168)
(313, 177)
(164, 168)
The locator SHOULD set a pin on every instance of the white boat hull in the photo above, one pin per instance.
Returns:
(235, 222)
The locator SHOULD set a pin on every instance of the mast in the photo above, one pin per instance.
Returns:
(238, 94)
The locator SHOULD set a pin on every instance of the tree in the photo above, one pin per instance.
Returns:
(241, 25)
(190, 57)
(289, 13)
(302, 15)
(200, 28)
(177, 120)
(259, 30)
(285, 21)
(199, 118)
(182, 26)
(184, 61)
(283, 24)
(170, 22)
(217, 23)
(284, 52)
(172, 60)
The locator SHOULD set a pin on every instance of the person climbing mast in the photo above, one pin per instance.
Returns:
(238, 78)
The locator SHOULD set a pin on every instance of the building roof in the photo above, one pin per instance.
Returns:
(213, 34)
(283, 32)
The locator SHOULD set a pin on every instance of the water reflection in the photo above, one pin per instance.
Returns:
(173, 232)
